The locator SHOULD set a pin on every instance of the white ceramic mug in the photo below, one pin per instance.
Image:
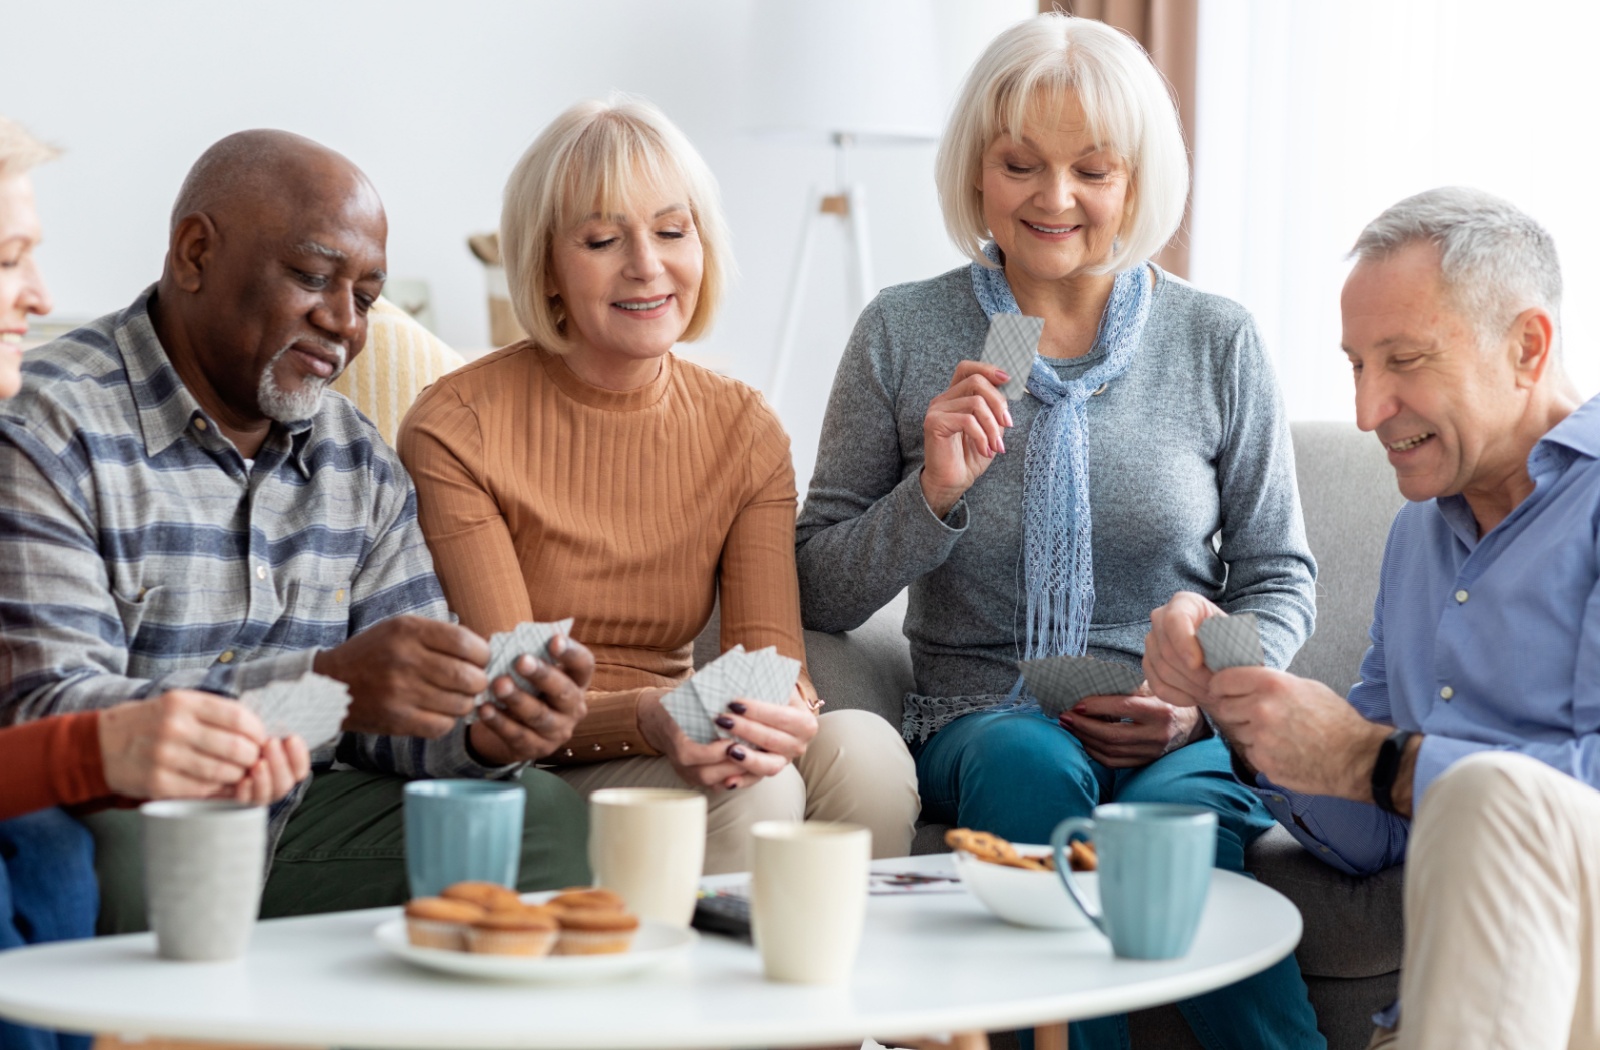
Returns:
(649, 844)
(808, 898)
(203, 867)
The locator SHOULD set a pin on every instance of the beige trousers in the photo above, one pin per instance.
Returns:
(1502, 905)
(856, 769)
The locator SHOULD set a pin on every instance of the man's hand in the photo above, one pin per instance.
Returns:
(187, 744)
(1156, 727)
(408, 676)
(533, 726)
(778, 734)
(1297, 731)
(1174, 664)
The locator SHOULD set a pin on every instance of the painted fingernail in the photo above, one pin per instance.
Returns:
(1005, 377)
(724, 721)
(736, 753)
(1009, 422)
(1080, 709)
(1002, 447)
(733, 785)
(737, 707)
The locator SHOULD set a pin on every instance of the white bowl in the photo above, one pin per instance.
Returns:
(1028, 898)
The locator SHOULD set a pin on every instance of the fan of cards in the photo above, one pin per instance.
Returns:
(735, 675)
(507, 647)
(311, 707)
(1060, 683)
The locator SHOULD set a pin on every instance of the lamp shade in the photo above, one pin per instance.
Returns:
(867, 68)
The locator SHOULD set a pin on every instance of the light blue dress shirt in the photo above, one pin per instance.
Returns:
(1481, 643)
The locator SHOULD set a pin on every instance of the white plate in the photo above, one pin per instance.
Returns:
(654, 944)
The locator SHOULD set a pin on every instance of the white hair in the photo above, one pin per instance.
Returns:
(20, 151)
(287, 406)
(1124, 98)
(1494, 259)
(595, 157)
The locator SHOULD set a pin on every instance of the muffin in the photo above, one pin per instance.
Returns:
(490, 896)
(588, 897)
(433, 922)
(595, 931)
(520, 931)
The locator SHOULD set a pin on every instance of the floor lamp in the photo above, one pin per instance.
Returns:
(849, 73)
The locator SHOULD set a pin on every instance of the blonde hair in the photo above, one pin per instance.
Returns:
(1127, 105)
(20, 151)
(595, 156)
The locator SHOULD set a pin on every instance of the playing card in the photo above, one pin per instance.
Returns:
(1012, 343)
(1061, 682)
(770, 676)
(507, 647)
(311, 707)
(684, 705)
(1231, 641)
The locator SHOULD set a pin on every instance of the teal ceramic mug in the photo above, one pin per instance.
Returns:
(1154, 874)
(462, 829)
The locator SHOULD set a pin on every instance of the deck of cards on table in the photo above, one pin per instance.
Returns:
(1061, 682)
(311, 707)
(1231, 641)
(735, 675)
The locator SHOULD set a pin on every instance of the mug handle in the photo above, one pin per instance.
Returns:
(1084, 827)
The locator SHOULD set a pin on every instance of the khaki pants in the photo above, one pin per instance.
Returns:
(1502, 902)
(856, 769)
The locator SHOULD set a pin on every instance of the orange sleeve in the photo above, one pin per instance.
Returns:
(473, 553)
(760, 590)
(52, 762)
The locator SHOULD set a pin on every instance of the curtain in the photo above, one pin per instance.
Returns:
(1169, 31)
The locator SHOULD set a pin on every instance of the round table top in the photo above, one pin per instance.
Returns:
(929, 963)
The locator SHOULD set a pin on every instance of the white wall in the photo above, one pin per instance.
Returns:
(436, 100)
(1313, 118)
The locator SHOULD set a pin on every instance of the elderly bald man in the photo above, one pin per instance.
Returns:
(1471, 745)
(186, 505)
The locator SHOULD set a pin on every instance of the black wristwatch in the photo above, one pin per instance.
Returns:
(1387, 767)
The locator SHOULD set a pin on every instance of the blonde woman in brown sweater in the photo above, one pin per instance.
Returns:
(588, 472)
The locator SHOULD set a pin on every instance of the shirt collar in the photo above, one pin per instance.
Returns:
(166, 409)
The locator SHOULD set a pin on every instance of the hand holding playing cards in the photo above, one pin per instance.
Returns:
(186, 744)
(1125, 732)
(962, 432)
(769, 737)
(1301, 734)
(408, 676)
(522, 726)
(1174, 664)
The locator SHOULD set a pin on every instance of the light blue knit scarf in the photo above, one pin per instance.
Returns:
(1058, 555)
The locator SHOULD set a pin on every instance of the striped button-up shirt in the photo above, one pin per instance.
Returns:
(140, 552)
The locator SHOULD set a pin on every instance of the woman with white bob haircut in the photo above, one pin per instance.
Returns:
(589, 472)
(1151, 456)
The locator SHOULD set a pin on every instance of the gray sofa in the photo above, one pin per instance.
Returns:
(1350, 952)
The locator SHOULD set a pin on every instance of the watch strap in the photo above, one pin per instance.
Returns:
(1387, 767)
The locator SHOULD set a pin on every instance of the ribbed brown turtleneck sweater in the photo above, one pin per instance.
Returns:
(543, 497)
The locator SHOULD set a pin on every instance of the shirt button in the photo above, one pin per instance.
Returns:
(201, 424)
(1461, 597)
(1446, 693)
(226, 658)
(596, 747)
(338, 595)
(261, 572)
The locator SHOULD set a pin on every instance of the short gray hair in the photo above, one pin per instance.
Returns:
(20, 151)
(1128, 106)
(1494, 259)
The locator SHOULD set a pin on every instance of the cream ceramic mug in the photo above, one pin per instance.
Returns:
(649, 844)
(808, 898)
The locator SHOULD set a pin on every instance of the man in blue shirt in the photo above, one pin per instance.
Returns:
(1478, 709)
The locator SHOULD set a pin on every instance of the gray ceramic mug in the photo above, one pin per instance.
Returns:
(1154, 874)
(458, 830)
(203, 866)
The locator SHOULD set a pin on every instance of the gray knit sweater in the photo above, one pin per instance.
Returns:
(1189, 444)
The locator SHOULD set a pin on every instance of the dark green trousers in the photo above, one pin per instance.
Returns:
(344, 848)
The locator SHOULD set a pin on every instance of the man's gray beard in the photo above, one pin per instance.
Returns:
(285, 407)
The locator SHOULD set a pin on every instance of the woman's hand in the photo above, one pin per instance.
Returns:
(1124, 732)
(961, 434)
(778, 734)
(188, 744)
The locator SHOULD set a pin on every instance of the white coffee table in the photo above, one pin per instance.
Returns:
(929, 964)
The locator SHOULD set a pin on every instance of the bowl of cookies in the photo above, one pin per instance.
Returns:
(1018, 882)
